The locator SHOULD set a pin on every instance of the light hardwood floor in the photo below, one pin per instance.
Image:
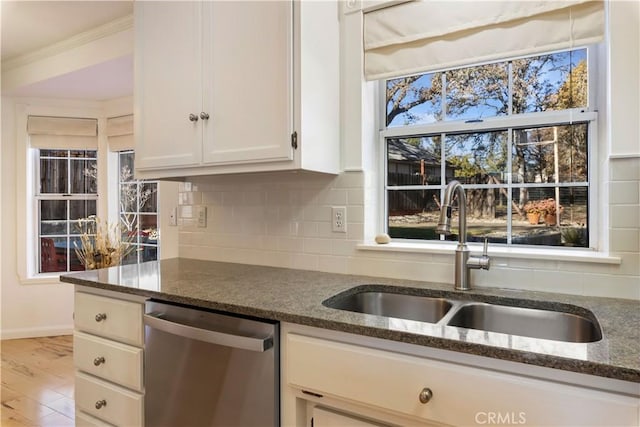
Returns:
(37, 382)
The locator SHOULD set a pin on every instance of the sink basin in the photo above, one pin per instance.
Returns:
(528, 322)
(412, 307)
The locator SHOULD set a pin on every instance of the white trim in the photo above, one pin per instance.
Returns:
(43, 279)
(113, 27)
(547, 118)
(625, 156)
(519, 252)
(44, 331)
(26, 205)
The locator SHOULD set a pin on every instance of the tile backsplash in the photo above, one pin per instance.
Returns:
(284, 220)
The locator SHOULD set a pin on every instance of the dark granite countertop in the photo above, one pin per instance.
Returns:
(296, 296)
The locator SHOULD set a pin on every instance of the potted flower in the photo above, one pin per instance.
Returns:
(550, 210)
(533, 211)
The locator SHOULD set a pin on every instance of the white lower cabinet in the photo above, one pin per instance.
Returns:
(372, 385)
(86, 420)
(108, 356)
(323, 417)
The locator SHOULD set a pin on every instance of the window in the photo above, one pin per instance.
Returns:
(138, 201)
(515, 133)
(66, 195)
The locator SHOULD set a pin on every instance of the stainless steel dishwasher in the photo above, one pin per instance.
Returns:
(203, 368)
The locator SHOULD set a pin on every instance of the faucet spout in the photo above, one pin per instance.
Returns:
(464, 261)
(444, 225)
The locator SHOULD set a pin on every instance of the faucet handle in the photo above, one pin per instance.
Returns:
(485, 248)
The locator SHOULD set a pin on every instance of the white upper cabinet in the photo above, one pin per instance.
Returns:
(168, 84)
(230, 87)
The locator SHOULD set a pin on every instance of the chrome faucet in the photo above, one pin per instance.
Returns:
(464, 261)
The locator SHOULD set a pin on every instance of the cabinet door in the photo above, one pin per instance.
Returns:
(168, 80)
(248, 82)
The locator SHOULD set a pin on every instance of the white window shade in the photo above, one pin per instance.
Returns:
(120, 133)
(62, 132)
(429, 35)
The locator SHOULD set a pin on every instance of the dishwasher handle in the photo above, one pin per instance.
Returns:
(155, 321)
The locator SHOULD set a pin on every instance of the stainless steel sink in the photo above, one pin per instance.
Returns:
(574, 324)
(528, 322)
(412, 307)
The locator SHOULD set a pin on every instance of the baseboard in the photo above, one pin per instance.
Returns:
(47, 331)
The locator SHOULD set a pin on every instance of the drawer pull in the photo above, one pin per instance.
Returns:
(101, 403)
(98, 361)
(425, 395)
(101, 316)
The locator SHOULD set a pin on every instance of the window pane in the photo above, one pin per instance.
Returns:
(129, 223)
(538, 223)
(414, 100)
(477, 92)
(53, 217)
(74, 262)
(53, 176)
(413, 161)
(53, 153)
(53, 254)
(79, 211)
(131, 258)
(148, 197)
(148, 228)
(84, 174)
(87, 154)
(550, 82)
(477, 158)
(126, 166)
(148, 253)
(414, 214)
(541, 154)
(129, 197)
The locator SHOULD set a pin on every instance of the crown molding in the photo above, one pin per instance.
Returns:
(113, 27)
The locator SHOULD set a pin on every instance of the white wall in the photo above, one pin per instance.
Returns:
(31, 305)
(284, 220)
(27, 310)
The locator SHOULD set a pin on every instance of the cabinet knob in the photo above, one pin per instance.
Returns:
(425, 395)
(204, 116)
(101, 403)
(101, 316)
(98, 361)
(193, 117)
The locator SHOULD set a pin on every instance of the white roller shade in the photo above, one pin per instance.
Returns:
(62, 132)
(120, 133)
(430, 35)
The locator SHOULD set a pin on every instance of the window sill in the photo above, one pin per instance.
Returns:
(547, 254)
(42, 279)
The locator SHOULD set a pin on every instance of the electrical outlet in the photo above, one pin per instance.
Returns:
(173, 217)
(201, 216)
(339, 219)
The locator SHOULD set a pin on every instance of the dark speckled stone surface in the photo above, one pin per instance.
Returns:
(296, 296)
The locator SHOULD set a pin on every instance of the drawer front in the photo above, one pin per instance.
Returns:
(110, 360)
(461, 395)
(86, 420)
(109, 318)
(120, 406)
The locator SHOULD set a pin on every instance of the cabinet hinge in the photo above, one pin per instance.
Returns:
(294, 140)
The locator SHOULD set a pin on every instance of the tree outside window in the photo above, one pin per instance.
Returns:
(138, 211)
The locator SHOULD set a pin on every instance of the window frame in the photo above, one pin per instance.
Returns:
(38, 197)
(139, 183)
(508, 123)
